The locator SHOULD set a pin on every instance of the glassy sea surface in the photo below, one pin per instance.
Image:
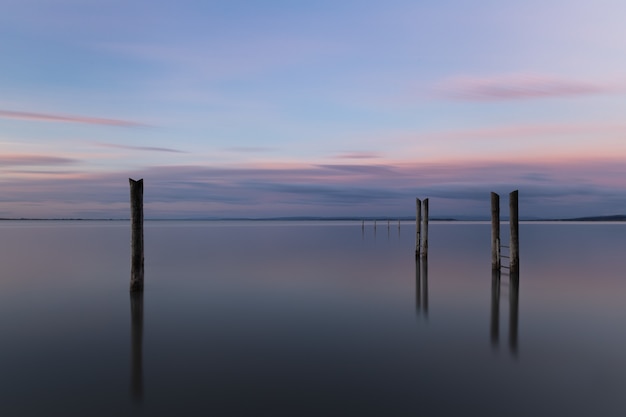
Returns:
(310, 319)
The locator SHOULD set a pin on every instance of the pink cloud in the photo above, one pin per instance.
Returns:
(520, 87)
(42, 117)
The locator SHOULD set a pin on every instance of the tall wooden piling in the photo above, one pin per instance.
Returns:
(425, 229)
(514, 221)
(418, 225)
(136, 240)
(495, 231)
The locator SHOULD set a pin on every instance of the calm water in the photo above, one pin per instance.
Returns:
(318, 319)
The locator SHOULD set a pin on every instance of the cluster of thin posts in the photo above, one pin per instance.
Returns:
(421, 228)
(496, 245)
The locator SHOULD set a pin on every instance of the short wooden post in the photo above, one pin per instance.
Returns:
(425, 227)
(495, 231)
(136, 240)
(514, 221)
(418, 225)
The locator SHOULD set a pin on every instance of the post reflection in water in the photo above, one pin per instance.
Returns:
(495, 308)
(421, 286)
(136, 323)
(513, 311)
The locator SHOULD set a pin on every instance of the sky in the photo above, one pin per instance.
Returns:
(242, 108)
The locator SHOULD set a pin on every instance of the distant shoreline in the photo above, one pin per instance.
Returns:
(612, 218)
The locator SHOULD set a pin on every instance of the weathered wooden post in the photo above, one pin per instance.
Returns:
(514, 221)
(418, 225)
(136, 323)
(136, 240)
(425, 236)
(495, 231)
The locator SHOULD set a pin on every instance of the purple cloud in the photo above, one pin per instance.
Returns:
(42, 117)
(358, 155)
(140, 148)
(520, 87)
(33, 160)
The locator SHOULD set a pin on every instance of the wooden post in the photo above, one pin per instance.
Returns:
(425, 236)
(418, 225)
(513, 207)
(495, 232)
(136, 240)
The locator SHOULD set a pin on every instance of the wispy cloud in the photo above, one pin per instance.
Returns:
(575, 188)
(34, 160)
(249, 149)
(65, 118)
(358, 155)
(521, 86)
(140, 148)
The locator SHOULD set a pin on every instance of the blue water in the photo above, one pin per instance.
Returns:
(310, 319)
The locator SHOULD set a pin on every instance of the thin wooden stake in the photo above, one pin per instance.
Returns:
(136, 240)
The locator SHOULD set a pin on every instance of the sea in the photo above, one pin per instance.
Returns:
(311, 318)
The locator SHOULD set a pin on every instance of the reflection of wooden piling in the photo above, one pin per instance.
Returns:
(425, 229)
(136, 322)
(495, 231)
(495, 307)
(136, 226)
(424, 273)
(418, 225)
(421, 285)
(513, 312)
(513, 207)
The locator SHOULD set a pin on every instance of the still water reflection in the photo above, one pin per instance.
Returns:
(421, 286)
(136, 326)
(310, 319)
(513, 288)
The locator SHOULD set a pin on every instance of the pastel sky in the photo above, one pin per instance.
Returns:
(242, 108)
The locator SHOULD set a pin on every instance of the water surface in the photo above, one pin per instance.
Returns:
(295, 318)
